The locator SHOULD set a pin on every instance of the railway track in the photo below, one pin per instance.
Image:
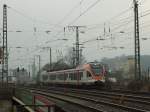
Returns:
(97, 101)
(141, 97)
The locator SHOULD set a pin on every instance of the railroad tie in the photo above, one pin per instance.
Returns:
(122, 99)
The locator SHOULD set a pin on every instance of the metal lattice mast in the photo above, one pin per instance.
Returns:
(77, 46)
(77, 50)
(73, 57)
(50, 56)
(5, 50)
(137, 42)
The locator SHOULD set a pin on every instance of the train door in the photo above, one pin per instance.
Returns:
(69, 77)
(83, 79)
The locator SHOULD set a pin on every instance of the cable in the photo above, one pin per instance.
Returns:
(122, 13)
(80, 14)
(70, 12)
(90, 7)
(30, 18)
(128, 22)
(145, 14)
(142, 1)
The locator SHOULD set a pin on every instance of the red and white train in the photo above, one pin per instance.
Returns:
(86, 74)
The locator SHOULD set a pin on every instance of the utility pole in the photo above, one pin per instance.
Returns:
(148, 73)
(39, 63)
(38, 75)
(77, 46)
(137, 42)
(50, 56)
(29, 73)
(34, 68)
(73, 56)
(77, 43)
(80, 55)
(5, 48)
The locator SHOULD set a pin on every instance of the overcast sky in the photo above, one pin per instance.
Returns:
(35, 18)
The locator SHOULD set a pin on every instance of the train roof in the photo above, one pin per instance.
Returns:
(78, 68)
(69, 70)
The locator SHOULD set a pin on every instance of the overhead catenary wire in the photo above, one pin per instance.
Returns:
(118, 28)
(116, 17)
(81, 14)
(124, 24)
(84, 12)
(142, 1)
(30, 18)
(70, 12)
(66, 16)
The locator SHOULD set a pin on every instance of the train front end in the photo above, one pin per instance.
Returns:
(99, 72)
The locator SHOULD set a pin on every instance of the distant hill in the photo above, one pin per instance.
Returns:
(119, 60)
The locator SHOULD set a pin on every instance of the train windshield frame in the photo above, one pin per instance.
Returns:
(97, 68)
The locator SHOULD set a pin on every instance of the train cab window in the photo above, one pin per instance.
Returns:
(88, 74)
(45, 77)
(97, 68)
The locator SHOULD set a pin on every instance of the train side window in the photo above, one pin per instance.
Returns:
(49, 77)
(45, 77)
(88, 74)
(72, 76)
(80, 75)
(75, 76)
(58, 77)
(61, 76)
(53, 77)
(65, 76)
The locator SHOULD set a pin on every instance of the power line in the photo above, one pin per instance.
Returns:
(70, 12)
(118, 15)
(66, 16)
(90, 7)
(30, 18)
(91, 40)
(79, 15)
(142, 1)
(121, 13)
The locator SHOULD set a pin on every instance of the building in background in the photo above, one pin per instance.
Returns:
(20, 76)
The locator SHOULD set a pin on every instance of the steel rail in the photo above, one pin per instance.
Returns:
(48, 92)
(127, 97)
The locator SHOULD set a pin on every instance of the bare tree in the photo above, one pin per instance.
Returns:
(70, 58)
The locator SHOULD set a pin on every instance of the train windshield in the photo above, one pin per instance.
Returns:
(97, 68)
